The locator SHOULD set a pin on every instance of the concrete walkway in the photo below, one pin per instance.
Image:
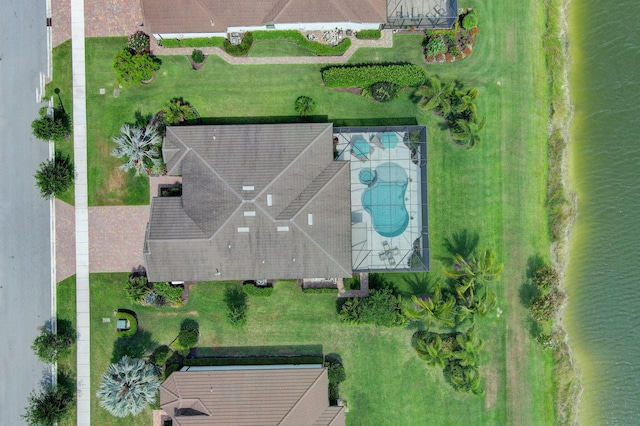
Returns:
(81, 212)
(385, 41)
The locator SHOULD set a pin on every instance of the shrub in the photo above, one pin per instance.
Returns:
(48, 407)
(188, 337)
(256, 291)
(137, 288)
(368, 34)
(304, 106)
(55, 176)
(177, 111)
(470, 21)
(170, 369)
(383, 91)
(54, 128)
(381, 307)
(133, 323)
(135, 68)
(50, 346)
(170, 293)
(193, 42)
(236, 301)
(435, 46)
(138, 42)
(160, 355)
(463, 378)
(154, 299)
(242, 49)
(197, 56)
(363, 75)
(140, 147)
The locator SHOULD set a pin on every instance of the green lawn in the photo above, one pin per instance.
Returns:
(278, 48)
(497, 190)
(386, 383)
(66, 310)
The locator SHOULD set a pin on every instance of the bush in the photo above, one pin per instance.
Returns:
(256, 291)
(242, 49)
(197, 56)
(381, 307)
(236, 301)
(50, 346)
(469, 21)
(192, 42)
(383, 91)
(48, 407)
(135, 68)
(137, 288)
(304, 106)
(294, 36)
(55, 176)
(170, 369)
(133, 323)
(368, 34)
(170, 293)
(54, 128)
(188, 337)
(138, 42)
(404, 75)
(160, 355)
(154, 299)
(435, 46)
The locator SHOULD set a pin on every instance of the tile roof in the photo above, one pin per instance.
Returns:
(208, 16)
(238, 397)
(258, 201)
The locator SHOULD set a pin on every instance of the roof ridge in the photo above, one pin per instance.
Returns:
(338, 8)
(302, 396)
(277, 10)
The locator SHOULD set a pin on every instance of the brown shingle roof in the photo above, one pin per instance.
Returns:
(277, 183)
(280, 396)
(207, 16)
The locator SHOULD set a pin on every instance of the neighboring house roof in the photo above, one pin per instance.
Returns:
(258, 201)
(278, 396)
(208, 16)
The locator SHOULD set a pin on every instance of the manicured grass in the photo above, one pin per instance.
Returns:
(386, 382)
(498, 190)
(66, 310)
(62, 81)
(278, 48)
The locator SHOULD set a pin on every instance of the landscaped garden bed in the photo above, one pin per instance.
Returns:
(441, 46)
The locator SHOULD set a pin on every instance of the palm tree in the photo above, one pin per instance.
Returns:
(470, 346)
(469, 134)
(482, 268)
(431, 351)
(128, 386)
(465, 101)
(177, 110)
(436, 96)
(433, 308)
(139, 146)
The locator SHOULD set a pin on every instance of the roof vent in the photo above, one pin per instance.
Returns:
(250, 213)
(310, 219)
(243, 229)
(269, 200)
(283, 228)
(247, 187)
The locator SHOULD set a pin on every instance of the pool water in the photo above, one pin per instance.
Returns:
(384, 199)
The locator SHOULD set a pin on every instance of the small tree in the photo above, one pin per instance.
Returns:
(236, 301)
(48, 407)
(304, 106)
(139, 146)
(50, 346)
(470, 21)
(132, 68)
(128, 386)
(54, 128)
(55, 176)
(197, 56)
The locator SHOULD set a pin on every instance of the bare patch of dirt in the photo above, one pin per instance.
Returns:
(116, 182)
(353, 90)
(490, 374)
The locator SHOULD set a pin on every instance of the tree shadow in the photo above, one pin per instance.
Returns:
(534, 263)
(379, 282)
(136, 346)
(141, 119)
(189, 323)
(420, 284)
(462, 243)
(528, 290)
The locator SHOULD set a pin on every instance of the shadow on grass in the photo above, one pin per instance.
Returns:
(136, 346)
(462, 243)
(420, 284)
(267, 351)
(377, 121)
(275, 119)
(528, 291)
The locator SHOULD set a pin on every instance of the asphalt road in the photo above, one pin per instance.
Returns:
(25, 255)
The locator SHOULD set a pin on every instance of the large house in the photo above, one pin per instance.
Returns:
(289, 201)
(207, 18)
(250, 395)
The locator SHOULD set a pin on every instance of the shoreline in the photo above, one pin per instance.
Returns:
(562, 216)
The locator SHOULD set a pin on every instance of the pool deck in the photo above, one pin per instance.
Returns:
(370, 250)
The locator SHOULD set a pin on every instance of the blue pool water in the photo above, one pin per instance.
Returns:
(384, 199)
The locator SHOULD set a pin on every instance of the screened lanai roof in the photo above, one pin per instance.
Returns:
(421, 13)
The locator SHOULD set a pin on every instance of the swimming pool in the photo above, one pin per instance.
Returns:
(384, 198)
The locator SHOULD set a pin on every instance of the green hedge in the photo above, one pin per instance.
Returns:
(170, 369)
(133, 323)
(363, 75)
(297, 37)
(263, 360)
(255, 291)
(368, 34)
(242, 49)
(320, 290)
(192, 42)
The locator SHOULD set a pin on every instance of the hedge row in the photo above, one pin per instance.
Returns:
(262, 360)
(294, 36)
(193, 42)
(241, 49)
(368, 34)
(255, 291)
(405, 75)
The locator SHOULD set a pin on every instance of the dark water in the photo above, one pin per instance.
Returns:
(603, 316)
